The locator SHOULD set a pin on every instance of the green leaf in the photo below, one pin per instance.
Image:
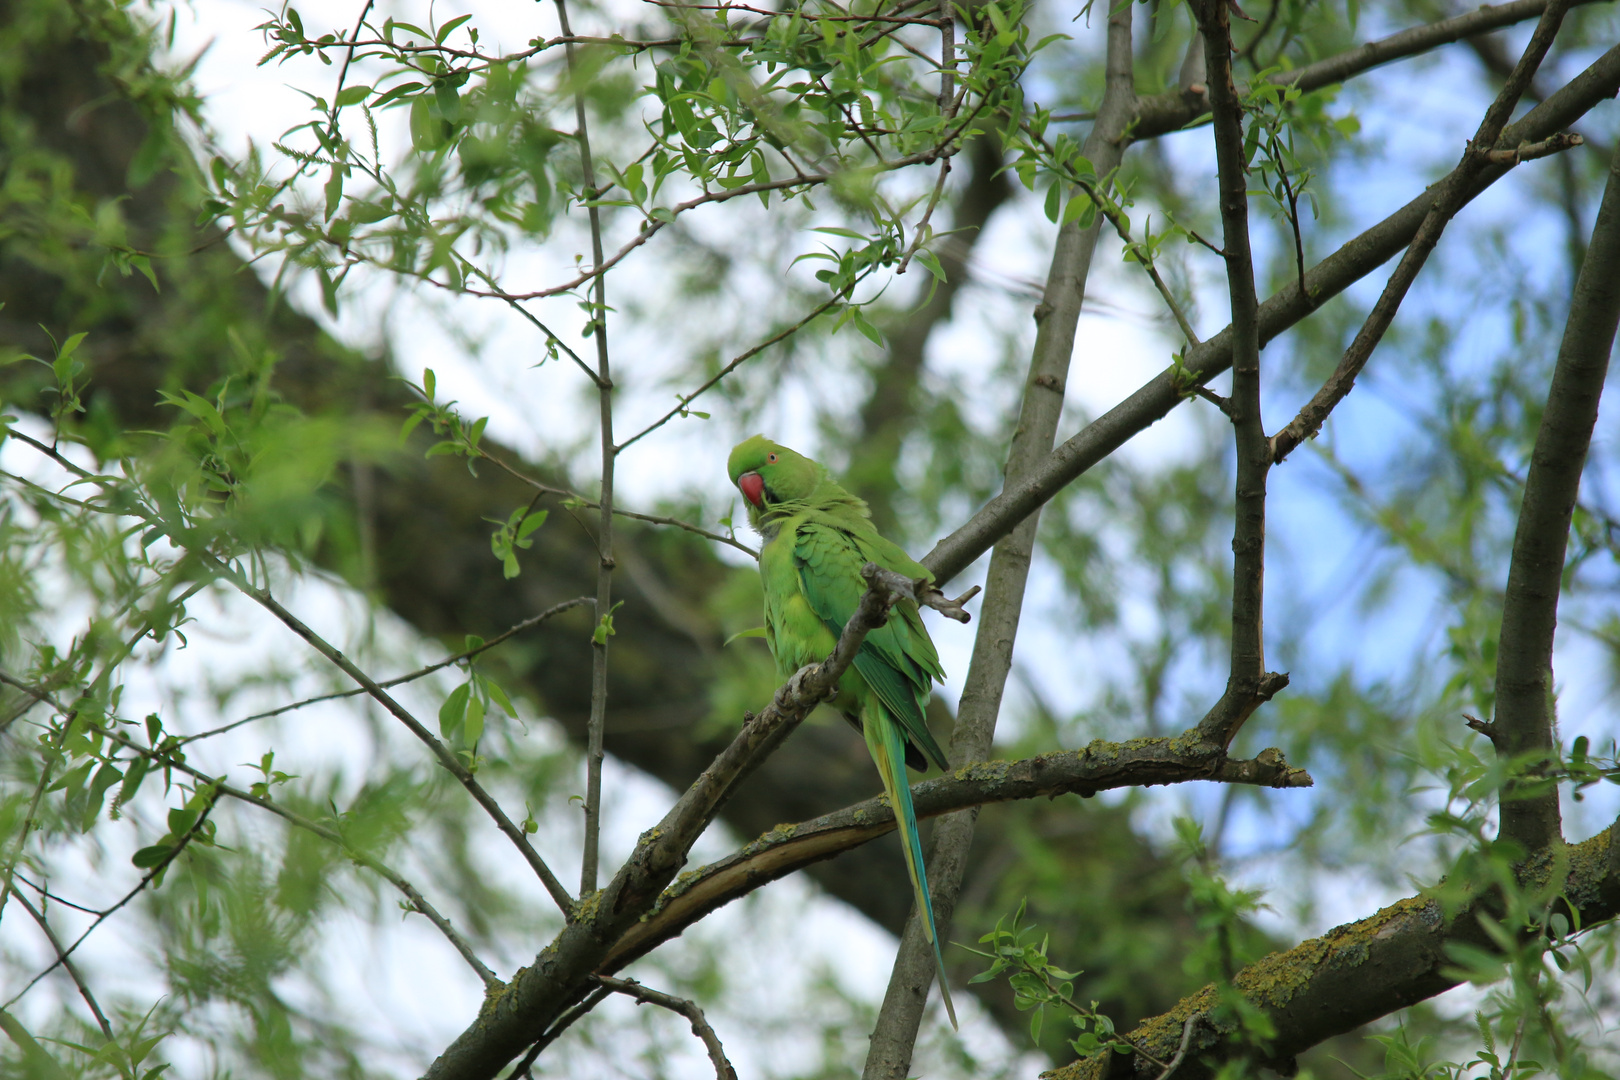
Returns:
(449, 27)
(1078, 205)
(351, 95)
(751, 632)
(498, 696)
(1054, 199)
(930, 262)
(530, 524)
(334, 190)
(454, 711)
(474, 728)
(148, 857)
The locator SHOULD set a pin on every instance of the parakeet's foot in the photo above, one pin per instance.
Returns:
(796, 689)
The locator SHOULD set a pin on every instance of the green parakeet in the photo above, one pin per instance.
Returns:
(817, 537)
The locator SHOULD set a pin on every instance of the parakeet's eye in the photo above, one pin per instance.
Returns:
(770, 459)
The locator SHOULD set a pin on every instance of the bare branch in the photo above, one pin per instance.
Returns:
(398, 680)
(597, 723)
(1452, 196)
(1248, 665)
(1531, 151)
(173, 853)
(737, 361)
(1056, 318)
(1173, 110)
(218, 787)
(646, 995)
(1153, 401)
(69, 966)
(452, 764)
(1523, 725)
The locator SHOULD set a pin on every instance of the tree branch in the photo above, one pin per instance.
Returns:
(219, 787)
(1056, 318)
(1173, 110)
(419, 673)
(69, 966)
(442, 753)
(1248, 672)
(560, 975)
(1523, 725)
(646, 995)
(1452, 195)
(1359, 972)
(1153, 401)
(1101, 766)
(597, 723)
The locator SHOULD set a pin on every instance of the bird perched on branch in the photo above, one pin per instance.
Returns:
(817, 538)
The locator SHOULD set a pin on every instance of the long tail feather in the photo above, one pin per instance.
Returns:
(887, 746)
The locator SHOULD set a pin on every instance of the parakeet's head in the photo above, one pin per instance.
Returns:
(769, 474)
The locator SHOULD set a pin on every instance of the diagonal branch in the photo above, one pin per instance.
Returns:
(646, 995)
(69, 966)
(559, 977)
(420, 673)
(1453, 194)
(1523, 725)
(1359, 972)
(446, 757)
(1160, 114)
(1153, 401)
(218, 787)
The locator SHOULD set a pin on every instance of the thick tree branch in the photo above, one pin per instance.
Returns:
(1523, 725)
(1173, 110)
(1101, 766)
(1097, 768)
(1357, 973)
(1353, 261)
(1056, 318)
(1452, 195)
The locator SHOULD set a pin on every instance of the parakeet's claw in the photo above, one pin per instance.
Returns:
(796, 690)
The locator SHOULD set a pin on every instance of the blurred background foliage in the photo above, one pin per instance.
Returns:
(256, 381)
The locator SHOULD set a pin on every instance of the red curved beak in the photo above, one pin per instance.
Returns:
(753, 488)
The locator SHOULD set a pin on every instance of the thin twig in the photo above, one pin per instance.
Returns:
(646, 995)
(596, 725)
(173, 853)
(737, 361)
(69, 966)
(419, 673)
(444, 754)
(1453, 194)
(219, 787)
(560, 1025)
(1186, 1034)
(652, 519)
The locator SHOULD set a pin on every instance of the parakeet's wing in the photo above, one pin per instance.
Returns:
(897, 660)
